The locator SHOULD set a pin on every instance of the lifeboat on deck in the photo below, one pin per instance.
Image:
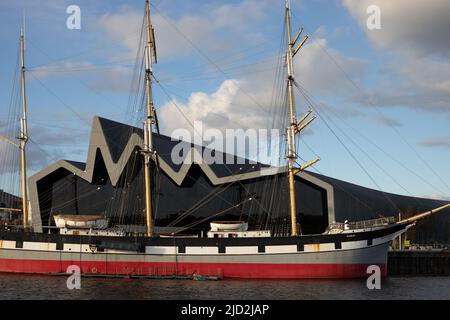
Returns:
(81, 221)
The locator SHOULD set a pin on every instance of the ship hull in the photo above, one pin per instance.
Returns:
(337, 256)
(342, 264)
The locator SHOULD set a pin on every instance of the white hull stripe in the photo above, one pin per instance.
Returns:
(206, 250)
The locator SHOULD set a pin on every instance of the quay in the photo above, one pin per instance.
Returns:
(419, 262)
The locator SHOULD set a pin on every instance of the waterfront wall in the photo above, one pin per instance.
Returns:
(419, 262)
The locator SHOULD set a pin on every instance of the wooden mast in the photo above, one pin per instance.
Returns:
(295, 127)
(150, 54)
(291, 154)
(23, 137)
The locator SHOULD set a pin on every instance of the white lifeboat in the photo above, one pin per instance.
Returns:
(81, 221)
(219, 226)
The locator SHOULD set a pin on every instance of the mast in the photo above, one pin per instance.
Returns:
(23, 137)
(291, 154)
(295, 126)
(150, 54)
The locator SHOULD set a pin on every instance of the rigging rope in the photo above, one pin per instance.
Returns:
(381, 114)
(314, 106)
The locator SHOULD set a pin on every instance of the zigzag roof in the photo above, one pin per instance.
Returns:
(116, 143)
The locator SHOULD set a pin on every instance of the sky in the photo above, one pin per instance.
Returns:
(384, 92)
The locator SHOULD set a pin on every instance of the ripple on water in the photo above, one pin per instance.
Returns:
(13, 286)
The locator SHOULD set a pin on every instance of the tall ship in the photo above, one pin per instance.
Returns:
(127, 235)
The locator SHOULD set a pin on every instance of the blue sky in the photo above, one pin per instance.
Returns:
(386, 86)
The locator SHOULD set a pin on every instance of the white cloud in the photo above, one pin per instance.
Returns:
(245, 102)
(319, 73)
(115, 79)
(413, 82)
(62, 69)
(421, 26)
(387, 121)
(213, 28)
(218, 110)
(443, 142)
(123, 27)
(415, 33)
(229, 107)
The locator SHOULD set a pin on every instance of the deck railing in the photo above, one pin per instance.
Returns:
(384, 221)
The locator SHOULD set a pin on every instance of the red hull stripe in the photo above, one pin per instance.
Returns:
(226, 270)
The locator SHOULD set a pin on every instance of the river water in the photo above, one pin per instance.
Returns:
(55, 287)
